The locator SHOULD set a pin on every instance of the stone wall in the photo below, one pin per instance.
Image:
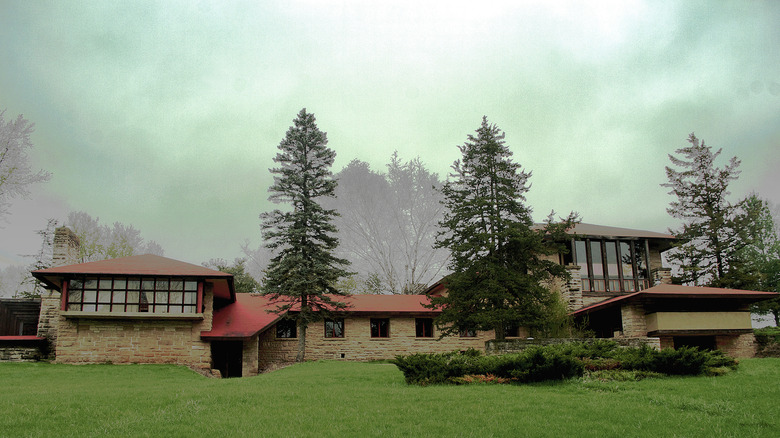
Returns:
(517, 345)
(250, 357)
(358, 345)
(65, 252)
(20, 353)
(634, 322)
(49, 318)
(740, 346)
(84, 340)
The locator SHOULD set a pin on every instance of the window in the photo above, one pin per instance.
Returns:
(611, 265)
(468, 333)
(424, 327)
(512, 331)
(380, 327)
(132, 294)
(334, 328)
(286, 329)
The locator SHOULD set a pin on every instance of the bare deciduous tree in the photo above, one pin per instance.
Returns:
(388, 224)
(15, 173)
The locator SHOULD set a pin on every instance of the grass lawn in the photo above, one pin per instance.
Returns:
(371, 399)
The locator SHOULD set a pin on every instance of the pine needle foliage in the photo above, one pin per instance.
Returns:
(498, 258)
(302, 274)
(714, 231)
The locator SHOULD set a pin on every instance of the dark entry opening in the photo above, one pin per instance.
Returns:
(703, 342)
(227, 357)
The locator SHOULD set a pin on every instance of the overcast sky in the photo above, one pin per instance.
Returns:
(166, 115)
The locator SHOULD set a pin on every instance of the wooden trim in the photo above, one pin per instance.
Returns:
(64, 295)
(131, 315)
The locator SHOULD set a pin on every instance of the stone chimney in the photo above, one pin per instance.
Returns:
(662, 276)
(66, 247)
(66, 252)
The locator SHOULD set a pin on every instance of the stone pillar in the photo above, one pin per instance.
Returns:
(662, 276)
(572, 290)
(634, 323)
(65, 252)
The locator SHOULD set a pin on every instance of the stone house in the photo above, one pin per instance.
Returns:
(151, 309)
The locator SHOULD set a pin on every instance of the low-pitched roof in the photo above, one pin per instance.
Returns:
(253, 313)
(140, 265)
(583, 229)
(147, 264)
(674, 291)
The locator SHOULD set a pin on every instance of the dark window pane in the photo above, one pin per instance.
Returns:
(334, 328)
(286, 329)
(424, 327)
(380, 327)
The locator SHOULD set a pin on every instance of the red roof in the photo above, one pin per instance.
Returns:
(244, 318)
(675, 291)
(146, 264)
(140, 265)
(250, 315)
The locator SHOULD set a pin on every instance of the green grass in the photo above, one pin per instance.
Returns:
(371, 399)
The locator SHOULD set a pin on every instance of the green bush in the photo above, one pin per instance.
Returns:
(558, 362)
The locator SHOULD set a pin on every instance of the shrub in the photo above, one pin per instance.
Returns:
(680, 361)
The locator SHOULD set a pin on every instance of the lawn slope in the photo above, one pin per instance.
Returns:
(368, 399)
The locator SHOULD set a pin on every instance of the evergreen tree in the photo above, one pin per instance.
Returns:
(500, 273)
(762, 257)
(713, 230)
(243, 282)
(302, 274)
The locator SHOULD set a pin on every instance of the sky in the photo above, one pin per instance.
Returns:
(167, 115)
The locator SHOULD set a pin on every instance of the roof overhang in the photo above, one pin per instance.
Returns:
(670, 292)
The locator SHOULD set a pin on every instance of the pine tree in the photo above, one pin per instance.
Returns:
(302, 274)
(497, 256)
(713, 229)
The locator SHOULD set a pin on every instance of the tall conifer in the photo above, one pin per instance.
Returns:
(302, 274)
(500, 274)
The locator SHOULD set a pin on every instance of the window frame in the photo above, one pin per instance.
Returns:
(376, 330)
(290, 325)
(601, 282)
(468, 333)
(334, 322)
(118, 295)
(425, 322)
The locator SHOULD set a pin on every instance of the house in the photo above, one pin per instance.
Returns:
(151, 309)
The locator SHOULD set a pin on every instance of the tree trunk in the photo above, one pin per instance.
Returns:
(301, 342)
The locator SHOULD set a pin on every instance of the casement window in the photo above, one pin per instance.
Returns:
(380, 327)
(468, 333)
(132, 294)
(611, 266)
(423, 327)
(334, 328)
(286, 329)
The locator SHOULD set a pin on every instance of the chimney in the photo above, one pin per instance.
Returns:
(66, 247)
